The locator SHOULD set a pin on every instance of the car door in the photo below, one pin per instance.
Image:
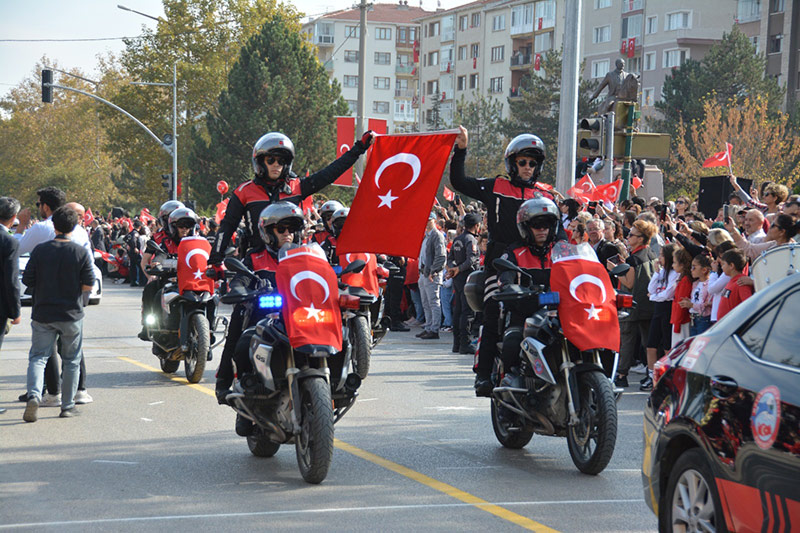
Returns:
(755, 377)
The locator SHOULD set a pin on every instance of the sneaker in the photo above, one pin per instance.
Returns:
(51, 400)
(639, 369)
(447, 329)
(421, 334)
(23, 397)
(431, 335)
(467, 350)
(647, 385)
(31, 411)
(410, 322)
(3, 410)
(69, 413)
(621, 381)
(82, 397)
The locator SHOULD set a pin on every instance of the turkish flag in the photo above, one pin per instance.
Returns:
(367, 278)
(587, 307)
(720, 159)
(345, 135)
(310, 294)
(537, 62)
(107, 257)
(394, 200)
(448, 194)
(88, 217)
(221, 208)
(192, 263)
(631, 46)
(636, 182)
(416, 51)
(624, 49)
(307, 204)
(582, 190)
(608, 193)
(543, 186)
(145, 216)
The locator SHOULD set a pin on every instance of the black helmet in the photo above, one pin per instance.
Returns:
(535, 209)
(526, 145)
(275, 144)
(329, 208)
(179, 216)
(337, 220)
(281, 213)
(165, 210)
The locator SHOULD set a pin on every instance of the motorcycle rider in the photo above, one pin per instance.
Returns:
(326, 212)
(278, 224)
(337, 223)
(502, 196)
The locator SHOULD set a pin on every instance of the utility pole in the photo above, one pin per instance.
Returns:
(362, 67)
(570, 79)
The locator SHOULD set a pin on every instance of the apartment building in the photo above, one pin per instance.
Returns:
(392, 77)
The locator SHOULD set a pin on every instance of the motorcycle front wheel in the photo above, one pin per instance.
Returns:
(508, 429)
(362, 345)
(194, 362)
(592, 440)
(314, 444)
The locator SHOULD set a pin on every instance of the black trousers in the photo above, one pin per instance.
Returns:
(490, 333)
(149, 303)
(52, 372)
(235, 329)
(461, 313)
(394, 295)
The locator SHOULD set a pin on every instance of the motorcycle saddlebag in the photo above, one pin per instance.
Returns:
(473, 290)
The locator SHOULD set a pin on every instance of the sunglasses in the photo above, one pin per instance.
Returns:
(679, 202)
(539, 224)
(522, 163)
(184, 225)
(271, 160)
(282, 229)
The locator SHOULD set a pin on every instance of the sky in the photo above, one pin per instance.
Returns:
(92, 19)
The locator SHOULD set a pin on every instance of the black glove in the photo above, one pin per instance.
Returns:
(366, 139)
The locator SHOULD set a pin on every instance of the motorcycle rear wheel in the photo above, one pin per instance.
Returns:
(592, 440)
(362, 345)
(168, 366)
(515, 439)
(194, 362)
(314, 444)
(261, 446)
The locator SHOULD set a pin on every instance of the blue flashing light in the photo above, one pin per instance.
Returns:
(270, 301)
(549, 298)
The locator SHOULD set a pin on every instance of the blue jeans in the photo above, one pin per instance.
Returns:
(416, 298)
(446, 296)
(699, 325)
(429, 292)
(43, 341)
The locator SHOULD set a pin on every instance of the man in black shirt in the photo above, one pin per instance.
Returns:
(463, 258)
(59, 272)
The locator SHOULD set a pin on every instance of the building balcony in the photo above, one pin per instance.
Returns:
(515, 93)
(404, 117)
(520, 61)
(404, 44)
(405, 93)
(631, 5)
(448, 35)
(522, 28)
(323, 40)
(404, 70)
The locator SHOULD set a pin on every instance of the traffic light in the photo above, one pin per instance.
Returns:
(47, 91)
(593, 142)
(166, 182)
(191, 205)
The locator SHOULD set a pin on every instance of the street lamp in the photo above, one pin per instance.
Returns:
(124, 8)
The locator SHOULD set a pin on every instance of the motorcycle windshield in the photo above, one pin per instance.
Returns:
(310, 293)
(587, 307)
(192, 263)
(367, 278)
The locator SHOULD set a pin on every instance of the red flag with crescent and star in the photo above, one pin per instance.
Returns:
(720, 159)
(608, 193)
(310, 292)
(583, 190)
(392, 205)
(88, 217)
(345, 135)
(448, 194)
(367, 278)
(192, 263)
(587, 307)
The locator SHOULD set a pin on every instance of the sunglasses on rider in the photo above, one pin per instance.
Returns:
(522, 163)
(271, 160)
(539, 224)
(281, 229)
(184, 224)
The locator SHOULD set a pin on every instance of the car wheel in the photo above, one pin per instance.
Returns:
(691, 502)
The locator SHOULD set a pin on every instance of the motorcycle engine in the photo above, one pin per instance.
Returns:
(283, 412)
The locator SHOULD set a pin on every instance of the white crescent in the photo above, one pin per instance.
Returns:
(313, 276)
(409, 159)
(344, 148)
(586, 278)
(347, 258)
(195, 251)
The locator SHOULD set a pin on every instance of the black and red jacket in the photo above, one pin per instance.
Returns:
(162, 238)
(535, 262)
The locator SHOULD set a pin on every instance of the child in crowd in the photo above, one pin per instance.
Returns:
(682, 265)
(700, 301)
(733, 263)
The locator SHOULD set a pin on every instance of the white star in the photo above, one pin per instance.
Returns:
(313, 312)
(198, 274)
(594, 313)
(387, 199)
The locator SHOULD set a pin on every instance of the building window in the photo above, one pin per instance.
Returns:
(600, 4)
(631, 5)
(650, 61)
(632, 26)
(647, 96)
(403, 60)
(353, 105)
(383, 34)
(475, 22)
(433, 29)
(498, 53)
(381, 107)
(473, 50)
(674, 58)
(351, 56)
(350, 81)
(463, 23)
(462, 52)
(499, 23)
(599, 68)
(380, 82)
(432, 87)
(383, 58)
(542, 42)
(601, 34)
(473, 81)
(433, 58)
(352, 31)
(461, 83)
(496, 85)
(682, 20)
(545, 15)
(774, 44)
(652, 25)
(748, 10)
(776, 6)
(754, 40)
(634, 65)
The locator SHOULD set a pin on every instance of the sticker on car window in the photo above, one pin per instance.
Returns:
(766, 417)
(694, 352)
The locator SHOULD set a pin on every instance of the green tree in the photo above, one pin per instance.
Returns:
(483, 119)
(435, 119)
(277, 84)
(537, 109)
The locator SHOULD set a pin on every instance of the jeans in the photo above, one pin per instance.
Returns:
(699, 325)
(446, 297)
(429, 291)
(43, 340)
(417, 300)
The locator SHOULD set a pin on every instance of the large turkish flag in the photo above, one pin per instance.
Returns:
(192, 263)
(582, 190)
(367, 278)
(310, 292)
(587, 308)
(395, 197)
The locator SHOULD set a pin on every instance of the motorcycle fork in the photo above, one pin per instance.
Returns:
(572, 388)
(294, 390)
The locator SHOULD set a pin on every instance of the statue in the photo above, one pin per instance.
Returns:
(622, 86)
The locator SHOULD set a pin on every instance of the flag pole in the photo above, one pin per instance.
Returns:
(728, 153)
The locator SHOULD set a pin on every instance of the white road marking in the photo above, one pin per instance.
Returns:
(306, 511)
(156, 403)
(146, 419)
(465, 467)
(366, 399)
(453, 408)
(637, 470)
(115, 462)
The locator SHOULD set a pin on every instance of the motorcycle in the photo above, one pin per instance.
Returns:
(180, 328)
(576, 400)
(300, 385)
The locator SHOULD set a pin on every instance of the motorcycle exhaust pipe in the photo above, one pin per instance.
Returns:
(353, 382)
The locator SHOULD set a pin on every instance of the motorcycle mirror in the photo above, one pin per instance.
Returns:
(502, 265)
(356, 266)
(231, 263)
(153, 248)
(621, 270)
(229, 251)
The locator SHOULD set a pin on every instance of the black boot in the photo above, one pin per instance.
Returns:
(456, 347)
(222, 390)
(244, 427)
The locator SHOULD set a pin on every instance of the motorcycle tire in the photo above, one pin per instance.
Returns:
(515, 439)
(362, 345)
(261, 446)
(592, 440)
(314, 444)
(194, 362)
(169, 367)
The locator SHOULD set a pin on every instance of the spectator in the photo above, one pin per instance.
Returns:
(682, 265)
(98, 240)
(431, 265)
(699, 302)
(412, 282)
(9, 269)
(781, 232)
(661, 291)
(733, 263)
(59, 271)
(596, 230)
(772, 194)
(718, 278)
(792, 206)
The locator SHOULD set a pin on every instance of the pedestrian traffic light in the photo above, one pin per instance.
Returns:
(166, 182)
(191, 205)
(592, 140)
(47, 91)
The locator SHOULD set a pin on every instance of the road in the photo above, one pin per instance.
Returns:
(416, 452)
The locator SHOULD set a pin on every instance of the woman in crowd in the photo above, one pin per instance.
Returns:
(781, 232)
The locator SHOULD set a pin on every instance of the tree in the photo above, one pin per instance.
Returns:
(277, 84)
(762, 147)
(435, 119)
(483, 119)
(537, 110)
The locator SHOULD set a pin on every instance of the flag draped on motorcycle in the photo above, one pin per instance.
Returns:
(192, 263)
(367, 278)
(587, 307)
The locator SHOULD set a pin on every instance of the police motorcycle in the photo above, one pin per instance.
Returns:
(298, 383)
(180, 329)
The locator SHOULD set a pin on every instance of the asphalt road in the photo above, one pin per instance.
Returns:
(415, 453)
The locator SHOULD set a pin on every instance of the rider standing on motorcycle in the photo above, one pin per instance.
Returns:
(278, 224)
(538, 224)
(326, 212)
(524, 157)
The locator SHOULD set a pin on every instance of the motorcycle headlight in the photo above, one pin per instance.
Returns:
(270, 301)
